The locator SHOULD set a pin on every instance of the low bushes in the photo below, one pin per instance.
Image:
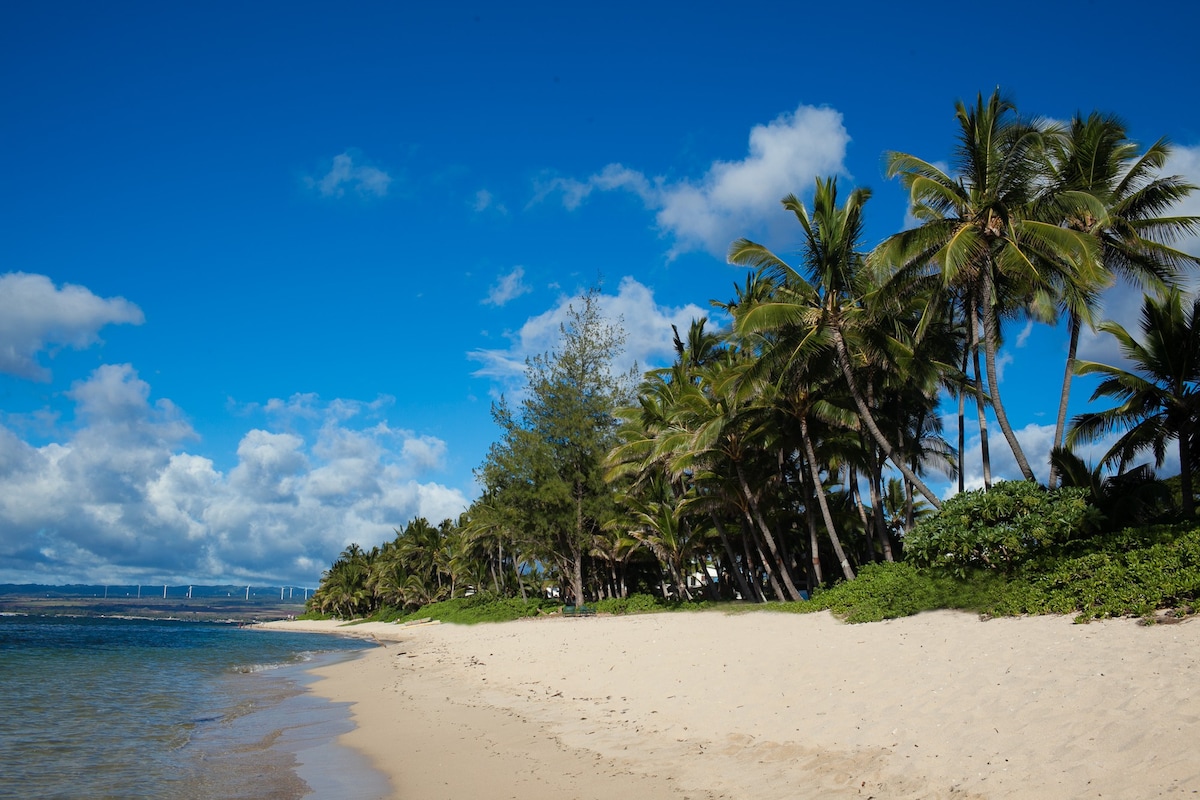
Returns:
(471, 610)
(1131, 573)
(634, 604)
(1000, 528)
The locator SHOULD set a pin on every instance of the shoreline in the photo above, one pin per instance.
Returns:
(774, 705)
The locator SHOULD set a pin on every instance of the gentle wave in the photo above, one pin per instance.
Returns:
(151, 708)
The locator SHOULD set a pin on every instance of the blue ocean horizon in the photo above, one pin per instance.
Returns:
(100, 707)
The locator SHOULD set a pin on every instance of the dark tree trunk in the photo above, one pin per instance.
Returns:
(991, 333)
(813, 543)
(743, 587)
(1064, 397)
(980, 403)
(962, 426)
(811, 458)
(881, 531)
(785, 573)
(1185, 473)
(868, 419)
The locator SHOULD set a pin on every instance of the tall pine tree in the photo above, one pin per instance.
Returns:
(548, 465)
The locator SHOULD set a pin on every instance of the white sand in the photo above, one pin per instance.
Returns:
(770, 705)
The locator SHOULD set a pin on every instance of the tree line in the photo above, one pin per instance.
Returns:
(790, 448)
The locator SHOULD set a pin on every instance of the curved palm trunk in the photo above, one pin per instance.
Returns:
(516, 562)
(985, 450)
(743, 587)
(752, 565)
(962, 428)
(857, 499)
(784, 572)
(816, 577)
(861, 508)
(1061, 424)
(763, 561)
(811, 458)
(1185, 472)
(876, 487)
(990, 334)
(869, 420)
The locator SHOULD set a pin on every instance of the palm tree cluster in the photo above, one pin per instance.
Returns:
(794, 446)
(422, 565)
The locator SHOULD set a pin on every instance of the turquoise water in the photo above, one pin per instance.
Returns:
(132, 708)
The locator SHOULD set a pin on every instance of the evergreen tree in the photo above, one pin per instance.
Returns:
(549, 463)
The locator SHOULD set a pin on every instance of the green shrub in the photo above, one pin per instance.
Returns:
(634, 604)
(1131, 572)
(314, 615)
(998, 529)
(887, 591)
(1121, 580)
(471, 610)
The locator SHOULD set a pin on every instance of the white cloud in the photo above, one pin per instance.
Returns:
(1185, 162)
(1023, 336)
(117, 498)
(485, 200)
(344, 174)
(647, 326)
(507, 287)
(1036, 442)
(36, 315)
(732, 198)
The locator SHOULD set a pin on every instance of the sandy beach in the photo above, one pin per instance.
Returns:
(771, 705)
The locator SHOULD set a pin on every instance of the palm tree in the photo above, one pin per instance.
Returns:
(1100, 185)
(344, 586)
(717, 430)
(1160, 399)
(1133, 497)
(978, 231)
(901, 510)
(820, 309)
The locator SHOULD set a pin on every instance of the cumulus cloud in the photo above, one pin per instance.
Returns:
(117, 497)
(647, 326)
(732, 197)
(1036, 442)
(507, 287)
(1185, 162)
(344, 174)
(36, 315)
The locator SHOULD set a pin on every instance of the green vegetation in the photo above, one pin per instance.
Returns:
(1130, 573)
(472, 610)
(789, 455)
(999, 529)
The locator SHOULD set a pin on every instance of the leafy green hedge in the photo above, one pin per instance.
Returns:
(1000, 528)
(472, 610)
(1118, 581)
(887, 591)
(1131, 573)
(634, 604)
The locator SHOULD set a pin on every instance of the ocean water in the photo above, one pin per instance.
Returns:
(137, 708)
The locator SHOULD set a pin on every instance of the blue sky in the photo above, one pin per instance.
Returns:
(264, 267)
